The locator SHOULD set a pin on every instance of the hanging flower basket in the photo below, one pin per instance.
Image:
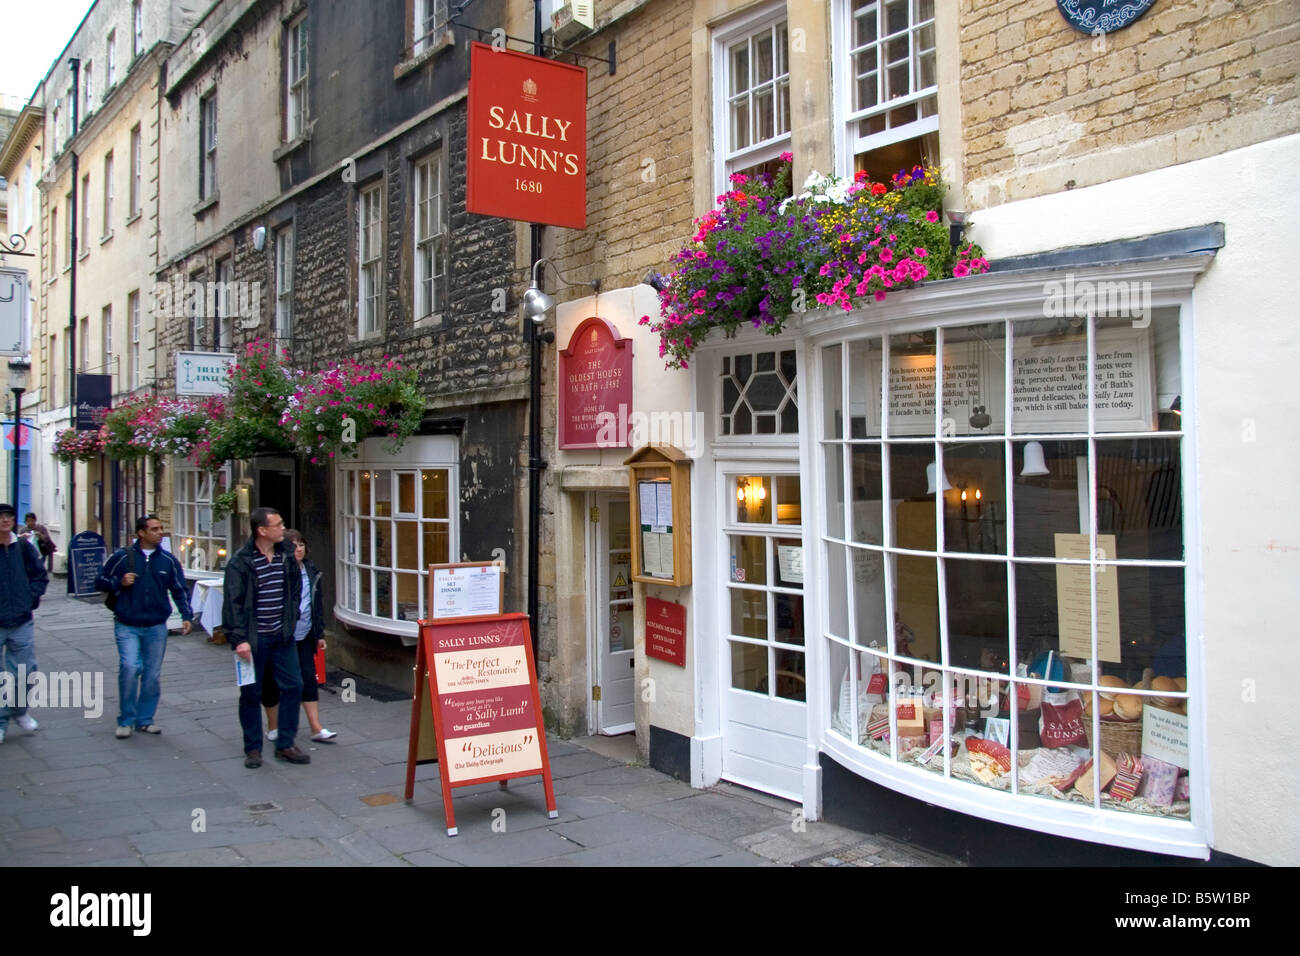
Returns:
(759, 257)
(73, 445)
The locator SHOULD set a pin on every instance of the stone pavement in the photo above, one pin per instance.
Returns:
(71, 794)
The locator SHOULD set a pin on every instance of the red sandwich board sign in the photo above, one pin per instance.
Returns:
(527, 138)
(480, 678)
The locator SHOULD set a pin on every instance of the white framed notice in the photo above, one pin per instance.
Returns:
(465, 590)
(1165, 735)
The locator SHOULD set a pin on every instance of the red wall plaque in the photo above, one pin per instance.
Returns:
(527, 138)
(665, 631)
(595, 387)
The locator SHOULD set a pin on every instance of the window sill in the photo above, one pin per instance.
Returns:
(293, 145)
(81, 256)
(417, 60)
(106, 237)
(131, 220)
(203, 205)
(433, 321)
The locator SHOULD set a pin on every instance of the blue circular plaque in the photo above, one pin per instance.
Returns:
(1102, 16)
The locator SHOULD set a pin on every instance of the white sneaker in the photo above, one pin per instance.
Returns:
(325, 736)
(28, 723)
(122, 733)
(272, 734)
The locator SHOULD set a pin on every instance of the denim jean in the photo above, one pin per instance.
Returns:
(140, 651)
(18, 645)
(282, 662)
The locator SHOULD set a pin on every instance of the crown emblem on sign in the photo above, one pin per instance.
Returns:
(530, 88)
(593, 336)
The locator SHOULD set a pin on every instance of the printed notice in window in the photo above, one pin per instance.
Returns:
(1074, 599)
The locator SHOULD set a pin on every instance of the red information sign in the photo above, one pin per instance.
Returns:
(487, 716)
(527, 138)
(595, 387)
(665, 631)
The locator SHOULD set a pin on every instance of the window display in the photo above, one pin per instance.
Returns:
(1008, 497)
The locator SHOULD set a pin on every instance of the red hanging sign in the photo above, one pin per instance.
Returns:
(527, 138)
(595, 387)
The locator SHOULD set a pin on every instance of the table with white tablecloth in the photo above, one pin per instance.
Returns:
(206, 600)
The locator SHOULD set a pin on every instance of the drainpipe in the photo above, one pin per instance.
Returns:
(535, 462)
(75, 65)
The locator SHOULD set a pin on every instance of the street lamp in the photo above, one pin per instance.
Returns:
(18, 369)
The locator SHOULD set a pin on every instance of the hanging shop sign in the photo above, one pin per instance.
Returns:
(595, 387)
(94, 398)
(478, 678)
(527, 138)
(204, 373)
(1102, 16)
(665, 631)
(15, 302)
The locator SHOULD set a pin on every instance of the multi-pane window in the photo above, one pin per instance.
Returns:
(396, 522)
(51, 373)
(759, 394)
(83, 342)
(106, 328)
(57, 122)
(207, 146)
(83, 245)
(430, 17)
(200, 543)
(370, 259)
(197, 307)
(137, 28)
(110, 60)
(133, 317)
(430, 238)
(130, 500)
(1003, 534)
(87, 88)
(284, 283)
(68, 239)
(54, 236)
(221, 327)
(108, 195)
(137, 162)
(295, 108)
(890, 98)
(755, 97)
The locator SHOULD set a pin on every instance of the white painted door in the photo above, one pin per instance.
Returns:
(764, 667)
(612, 593)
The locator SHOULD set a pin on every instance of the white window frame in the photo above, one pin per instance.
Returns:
(222, 324)
(208, 145)
(108, 196)
(106, 333)
(67, 230)
(197, 542)
(133, 319)
(370, 259)
(297, 49)
(848, 143)
(110, 59)
(137, 171)
(419, 454)
(87, 89)
(83, 338)
(83, 249)
(750, 28)
(29, 195)
(54, 239)
(284, 282)
(429, 296)
(429, 17)
(137, 28)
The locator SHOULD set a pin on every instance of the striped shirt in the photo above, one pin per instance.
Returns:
(270, 593)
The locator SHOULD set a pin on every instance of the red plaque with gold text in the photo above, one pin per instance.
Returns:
(527, 138)
(665, 631)
(595, 387)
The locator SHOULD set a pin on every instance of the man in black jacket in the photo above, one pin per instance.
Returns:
(260, 610)
(140, 578)
(22, 582)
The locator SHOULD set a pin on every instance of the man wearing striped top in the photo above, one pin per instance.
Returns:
(260, 609)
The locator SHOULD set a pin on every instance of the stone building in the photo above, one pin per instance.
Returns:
(1123, 176)
(315, 155)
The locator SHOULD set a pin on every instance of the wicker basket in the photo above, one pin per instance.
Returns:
(1118, 736)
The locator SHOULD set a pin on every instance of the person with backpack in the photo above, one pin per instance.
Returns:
(22, 582)
(139, 580)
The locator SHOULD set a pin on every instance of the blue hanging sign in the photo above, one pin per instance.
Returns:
(1102, 16)
(85, 558)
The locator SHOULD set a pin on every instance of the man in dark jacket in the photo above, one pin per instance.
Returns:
(22, 582)
(140, 578)
(260, 610)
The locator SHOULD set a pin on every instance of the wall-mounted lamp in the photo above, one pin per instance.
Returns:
(259, 238)
(1035, 464)
(956, 226)
(655, 281)
(537, 303)
(1177, 406)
